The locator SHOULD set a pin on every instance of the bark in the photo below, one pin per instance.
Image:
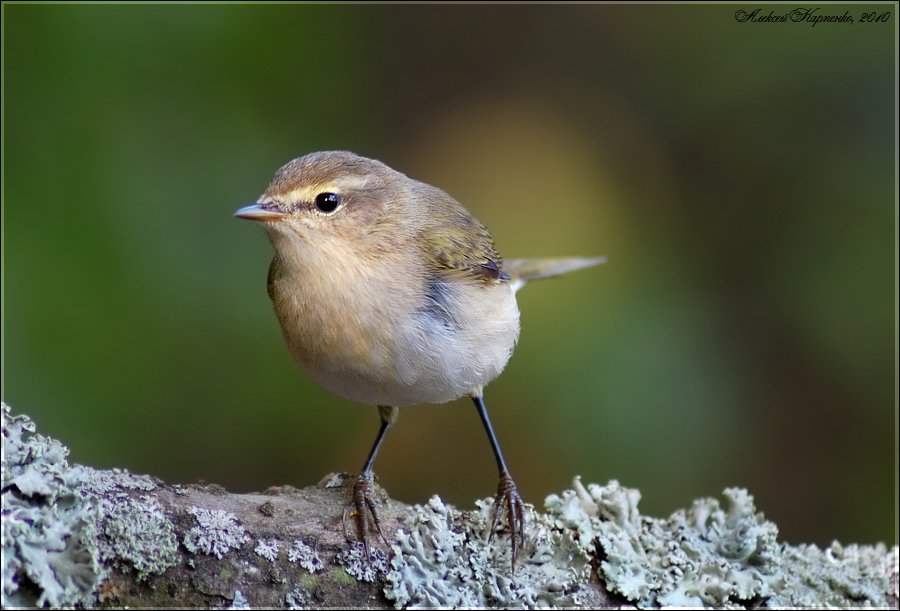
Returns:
(75, 536)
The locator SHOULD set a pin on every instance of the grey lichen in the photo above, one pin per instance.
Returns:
(240, 602)
(136, 533)
(306, 556)
(104, 482)
(354, 561)
(334, 480)
(713, 556)
(297, 598)
(47, 526)
(74, 536)
(267, 548)
(443, 559)
(65, 526)
(840, 576)
(216, 532)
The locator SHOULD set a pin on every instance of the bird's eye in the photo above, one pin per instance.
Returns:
(327, 202)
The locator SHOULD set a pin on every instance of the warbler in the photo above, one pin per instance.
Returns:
(390, 293)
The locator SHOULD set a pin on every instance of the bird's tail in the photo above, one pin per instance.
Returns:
(521, 271)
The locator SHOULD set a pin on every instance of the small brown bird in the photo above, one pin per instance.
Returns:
(390, 293)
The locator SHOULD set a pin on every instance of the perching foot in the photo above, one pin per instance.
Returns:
(363, 509)
(508, 497)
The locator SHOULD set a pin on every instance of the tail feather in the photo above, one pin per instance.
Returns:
(521, 271)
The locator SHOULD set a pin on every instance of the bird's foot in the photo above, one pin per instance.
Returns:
(508, 497)
(362, 508)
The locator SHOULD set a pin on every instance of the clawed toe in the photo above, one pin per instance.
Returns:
(508, 497)
(362, 508)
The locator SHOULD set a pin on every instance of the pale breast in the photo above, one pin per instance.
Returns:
(377, 339)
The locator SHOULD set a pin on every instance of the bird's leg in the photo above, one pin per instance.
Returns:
(507, 495)
(362, 507)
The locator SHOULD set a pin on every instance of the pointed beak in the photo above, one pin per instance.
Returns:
(255, 212)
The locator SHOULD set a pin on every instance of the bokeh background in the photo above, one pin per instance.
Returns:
(740, 178)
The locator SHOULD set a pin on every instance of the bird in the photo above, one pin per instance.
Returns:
(390, 293)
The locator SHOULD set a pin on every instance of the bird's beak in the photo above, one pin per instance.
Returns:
(255, 212)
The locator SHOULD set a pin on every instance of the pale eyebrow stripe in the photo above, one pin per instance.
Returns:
(308, 193)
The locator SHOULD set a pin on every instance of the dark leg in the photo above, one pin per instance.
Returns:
(507, 495)
(363, 505)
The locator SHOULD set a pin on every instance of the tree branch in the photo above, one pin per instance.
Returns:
(73, 535)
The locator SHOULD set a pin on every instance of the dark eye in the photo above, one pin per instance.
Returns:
(327, 202)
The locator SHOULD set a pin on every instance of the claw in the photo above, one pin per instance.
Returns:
(363, 508)
(508, 497)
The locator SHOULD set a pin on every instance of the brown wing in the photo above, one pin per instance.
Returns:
(458, 244)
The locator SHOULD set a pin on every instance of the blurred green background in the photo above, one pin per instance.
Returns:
(740, 178)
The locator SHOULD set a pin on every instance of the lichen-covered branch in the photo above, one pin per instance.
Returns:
(76, 536)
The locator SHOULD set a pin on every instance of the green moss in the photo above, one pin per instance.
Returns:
(309, 581)
(340, 576)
